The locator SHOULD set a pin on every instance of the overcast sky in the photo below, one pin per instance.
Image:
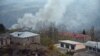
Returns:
(78, 14)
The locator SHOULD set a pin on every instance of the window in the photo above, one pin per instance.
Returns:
(62, 44)
(72, 46)
(94, 49)
(98, 50)
(67, 45)
(90, 48)
(1, 41)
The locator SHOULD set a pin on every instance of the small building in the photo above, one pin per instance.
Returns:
(69, 46)
(4, 40)
(92, 49)
(76, 36)
(24, 38)
(93, 46)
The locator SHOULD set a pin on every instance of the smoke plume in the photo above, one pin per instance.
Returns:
(53, 11)
(75, 14)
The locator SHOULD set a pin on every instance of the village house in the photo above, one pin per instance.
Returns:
(21, 44)
(24, 38)
(92, 49)
(76, 37)
(65, 46)
(4, 40)
(93, 46)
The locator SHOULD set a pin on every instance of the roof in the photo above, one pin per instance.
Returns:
(70, 42)
(74, 35)
(23, 34)
(93, 44)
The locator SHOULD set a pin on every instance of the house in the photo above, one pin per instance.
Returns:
(4, 40)
(28, 44)
(65, 46)
(76, 37)
(24, 38)
(93, 46)
(92, 49)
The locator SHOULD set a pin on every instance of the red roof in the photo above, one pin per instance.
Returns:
(74, 35)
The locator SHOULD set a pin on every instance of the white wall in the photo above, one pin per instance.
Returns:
(80, 46)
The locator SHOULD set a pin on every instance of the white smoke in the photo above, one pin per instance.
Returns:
(75, 14)
(52, 11)
(27, 21)
(81, 14)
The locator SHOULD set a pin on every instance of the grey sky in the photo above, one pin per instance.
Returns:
(79, 14)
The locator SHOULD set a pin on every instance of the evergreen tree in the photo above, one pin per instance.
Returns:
(84, 32)
(2, 28)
